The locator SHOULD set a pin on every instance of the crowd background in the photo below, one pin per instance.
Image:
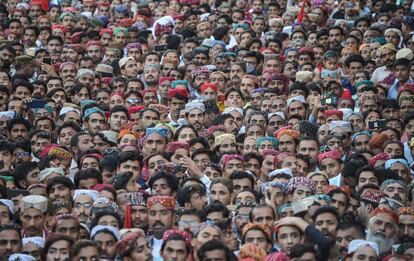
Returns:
(207, 130)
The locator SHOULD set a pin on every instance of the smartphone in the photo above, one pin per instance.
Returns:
(36, 104)
(47, 60)
(160, 48)
(329, 100)
(379, 124)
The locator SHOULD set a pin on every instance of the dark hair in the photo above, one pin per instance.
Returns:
(261, 206)
(184, 193)
(77, 247)
(18, 120)
(172, 181)
(179, 129)
(129, 155)
(89, 173)
(176, 237)
(253, 155)
(212, 245)
(299, 250)
(215, 207)
(75, 138)
(242, 175)
(65, 181)
(326, 209)
(354, 58)
(21, 171)
(105, 212)
(209, 153)
(6, 146)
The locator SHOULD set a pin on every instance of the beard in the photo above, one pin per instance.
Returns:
(384, 243)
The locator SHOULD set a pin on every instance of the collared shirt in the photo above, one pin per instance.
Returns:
(393, 91)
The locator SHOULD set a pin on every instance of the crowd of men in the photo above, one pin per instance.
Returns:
(207, 130)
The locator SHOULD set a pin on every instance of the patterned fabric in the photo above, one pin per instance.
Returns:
(166, 201)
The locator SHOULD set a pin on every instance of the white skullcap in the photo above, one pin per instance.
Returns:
(229, 110)
(82, 72)
(37, 241)
(93, 194)
(341, 124)
(65, 110)
(114, 231)
(34, 201)
(277, 172)
(278, 113)
(21, 257)
(356, 244)
(46, 172)
(124, 61)
(298, 98)
(194, 105)
(9, 204)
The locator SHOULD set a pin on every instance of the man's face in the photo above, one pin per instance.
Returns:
(130, 165)
(241, 184)
(68, 72)
(108, 244)
(297, 108)
(85, 143)
(406, 226)
(397, 192)
(327, 224)
(96, 123)
(196, 118)
(367, 177)
(263, 215)
(331, 167)
(150, 98)
(309, 148)
(10, 243)
(175, 250)
(287, 237)
(287, 144)
(387, 57)
(383, 225)
(130, 69)
(54, 46)
(236, 73)
(69, 55)
(204, 30)
(118, 119)
(7, 158)
(82, 207)
(18, 132)
(155, 143)
(68, 227)
(361, 142)
(220, 193)
(151, 76)
(344, 237)
(139, 217)
(59, 192)
(160, 218)
(175, 105)
(33, 221)
(340, 202)
(95, 53)
(335, 37)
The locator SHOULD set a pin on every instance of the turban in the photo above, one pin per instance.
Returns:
(406, 98)
(382, 210)
(405, 211)
(334, 154)
(215, 128)
(381, 156)
(100, 187)
(180, 91)
(297, 182)
(161, 131)
(173, 146)
(170, 168)
(194, 105)
(66, 63)
(58, 217)
(292, 133)
(329, 113)
(390, 162)
(118, 30)
(207, 85)
(166, 201)
(147, 91)
(172, 232)
(219, 139)
(179, 82)
(91, 111)
(225, 159)
(48, 171)
(106, 31)
(135, 109)
(272, 140)
(124, 61)
(263, 227)
(59, 27)
(377, 141)
(355, 135)
(201, 226)
(46, 150)
(126, 22)
(163, 79)
(7, 114)
(92, 155)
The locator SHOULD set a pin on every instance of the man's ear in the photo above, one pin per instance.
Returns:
(23, 184)
(187, 205)
(369, 208)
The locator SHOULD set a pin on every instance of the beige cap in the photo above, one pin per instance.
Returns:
(124, 61)
(405, 53)
(34, 201)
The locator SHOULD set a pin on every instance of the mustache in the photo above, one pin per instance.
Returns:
(158, 223)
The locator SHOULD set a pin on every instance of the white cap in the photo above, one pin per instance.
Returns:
(356, 244)
(9, 204)
(124, 61)
(298, 98)
(277, 172)
(21, 257)
(99, 228)
(37, 241)
(405, 53)
(34, 201)
(93, 194)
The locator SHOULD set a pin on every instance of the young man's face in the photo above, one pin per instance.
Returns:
(287, 237)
